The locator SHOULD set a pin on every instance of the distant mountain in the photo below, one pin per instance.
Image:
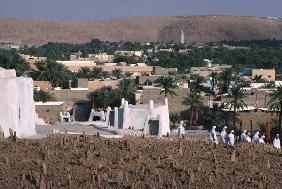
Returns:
(142, 29)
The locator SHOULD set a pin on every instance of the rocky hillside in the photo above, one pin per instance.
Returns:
(142, 29)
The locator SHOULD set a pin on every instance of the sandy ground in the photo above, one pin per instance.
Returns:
(68, 161)
(44, 130)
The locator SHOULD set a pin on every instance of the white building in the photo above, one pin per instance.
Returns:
(17, 109)
(148, 118)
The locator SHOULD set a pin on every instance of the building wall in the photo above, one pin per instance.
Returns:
(75, 66)
(82, 83)
(44, 85)
(257, 118)
(157, 70)
(50, 114)
(101, 57)
(70, 95)
(96, 84)
(259, 100)
(146, 80)
(17, 110)
(267, 74)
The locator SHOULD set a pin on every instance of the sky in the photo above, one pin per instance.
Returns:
(108, 9)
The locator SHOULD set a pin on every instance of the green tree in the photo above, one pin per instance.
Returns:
(237, 94)
(128, 74)
(213, 76)
(43, 96)
(269, 85)
(84, 72)
(168, 86)
(258, 79)
(225, 77)
(105, 97)
(9, 59)
(127, 90)
(193, 102)
(97, 73)
(196, 82)
(275, 103)
(52, 71)
(174, 118)
(117, 73)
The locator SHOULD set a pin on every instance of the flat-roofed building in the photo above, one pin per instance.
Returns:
(266, 74)
(205, 71)
(135, 69)
(103, 57)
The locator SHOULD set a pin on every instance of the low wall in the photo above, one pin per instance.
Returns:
(257, 118)
(49, 113)
(70, 95)
(44, 85)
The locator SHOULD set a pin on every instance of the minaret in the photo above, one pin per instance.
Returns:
(182, 37)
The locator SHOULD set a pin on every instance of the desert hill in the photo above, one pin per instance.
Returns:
(141, 29)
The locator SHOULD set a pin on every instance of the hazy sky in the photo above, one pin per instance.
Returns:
(104, 9)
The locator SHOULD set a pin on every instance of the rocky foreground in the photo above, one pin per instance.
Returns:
(64, 161)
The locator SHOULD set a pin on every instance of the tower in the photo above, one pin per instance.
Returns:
(182, 37)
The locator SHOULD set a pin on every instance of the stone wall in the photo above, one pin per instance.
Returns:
(49, 113)
(258, 100)
(257, 118)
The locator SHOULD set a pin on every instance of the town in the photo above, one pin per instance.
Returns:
(195, 106)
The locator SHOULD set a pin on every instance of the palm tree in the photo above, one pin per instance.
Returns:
(196, 81)
(168, 85)
(52, 71)
(97, 73)
(117, 73)
(193, 101)
(237, 94)
(127, 90)
(213, 76)
(225, 77)
(42, 96)
(128, 74)
(104, 97)
(275, 103)
(258, 79)
(174, 118)
(83, 72)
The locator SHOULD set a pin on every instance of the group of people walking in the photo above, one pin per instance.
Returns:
(229, 138)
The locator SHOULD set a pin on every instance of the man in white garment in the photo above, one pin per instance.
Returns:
(248, 138)
(276, 142)
(223, 135)
(261, 139)
(231, 138)
(243, 136)
(213, 137)
(180, 130)
(256, 137)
